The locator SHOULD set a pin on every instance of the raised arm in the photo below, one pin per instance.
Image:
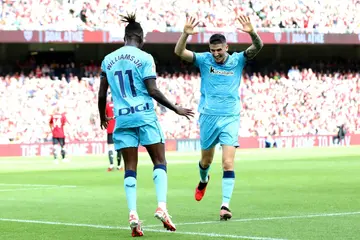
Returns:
(180, 48)
(257, 43)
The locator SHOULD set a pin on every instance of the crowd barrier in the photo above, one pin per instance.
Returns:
(180, 145)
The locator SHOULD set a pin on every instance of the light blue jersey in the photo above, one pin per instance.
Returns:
(220, 84)
(126, 69)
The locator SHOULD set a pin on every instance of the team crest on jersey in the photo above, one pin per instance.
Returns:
(221, 72)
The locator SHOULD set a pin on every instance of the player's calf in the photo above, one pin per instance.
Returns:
(228, 182)
(55, 151)
(160, 180)
(110, 157)
(130, 183)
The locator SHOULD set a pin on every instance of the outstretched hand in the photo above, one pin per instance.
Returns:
(184, 112)
(245, 23)
(190, 25)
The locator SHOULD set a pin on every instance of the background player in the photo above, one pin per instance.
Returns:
(110, 128)
(131, 74)
(57, 123)
(219, 103)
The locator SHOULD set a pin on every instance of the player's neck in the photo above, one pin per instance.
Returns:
(132, 44)
(225, 58)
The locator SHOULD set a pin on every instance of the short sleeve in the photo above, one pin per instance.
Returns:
(103, 66)
(242, 58)
(64, 119)
(199, 58)
(149, 69)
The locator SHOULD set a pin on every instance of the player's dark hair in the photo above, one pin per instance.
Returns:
(217, 39)
(133, 30)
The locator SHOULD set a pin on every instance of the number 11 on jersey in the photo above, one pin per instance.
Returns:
(120, 76)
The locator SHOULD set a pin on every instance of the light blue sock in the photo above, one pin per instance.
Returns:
(228, 183)
(204, 173)
(130, 189)
(161, 183)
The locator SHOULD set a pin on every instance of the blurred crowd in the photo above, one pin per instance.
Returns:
(163, 15)
(298, 102)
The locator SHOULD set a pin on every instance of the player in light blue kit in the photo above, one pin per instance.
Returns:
(219, 106)
(131, 74)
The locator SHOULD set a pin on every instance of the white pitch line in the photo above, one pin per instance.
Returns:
(34, 185)
(127, 228)
(40, 188)
(266, 218)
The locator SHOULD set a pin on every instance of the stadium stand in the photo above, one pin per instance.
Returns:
(300, 102)
(329, 16)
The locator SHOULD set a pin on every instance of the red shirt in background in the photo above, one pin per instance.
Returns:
(110, 113)
(57, 121)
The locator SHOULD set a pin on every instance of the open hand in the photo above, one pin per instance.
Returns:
(245, 23)
(190, 25)
(184, 112)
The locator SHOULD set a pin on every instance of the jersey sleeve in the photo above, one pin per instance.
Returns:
(51, 120)
(64, 120)
(103, 66)
(199, 58)
(241, 58)
(149, 69)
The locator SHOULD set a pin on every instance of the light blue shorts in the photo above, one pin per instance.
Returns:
(133, 137)
(218, 129)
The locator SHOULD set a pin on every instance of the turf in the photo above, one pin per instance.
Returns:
(304, 194)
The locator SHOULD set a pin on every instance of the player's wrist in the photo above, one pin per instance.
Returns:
(185, 34)
(252, 32)
(176, 108)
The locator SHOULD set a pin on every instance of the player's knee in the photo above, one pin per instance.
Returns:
(207, 157)
(205, 162)
(228, 164)
(158, 157)
(159, 161)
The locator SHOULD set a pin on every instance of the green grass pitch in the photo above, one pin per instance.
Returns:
(302, 194)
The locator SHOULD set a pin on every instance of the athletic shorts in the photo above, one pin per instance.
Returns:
(60, 141)
(110, 138)
(218, 129)
(133, 137)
